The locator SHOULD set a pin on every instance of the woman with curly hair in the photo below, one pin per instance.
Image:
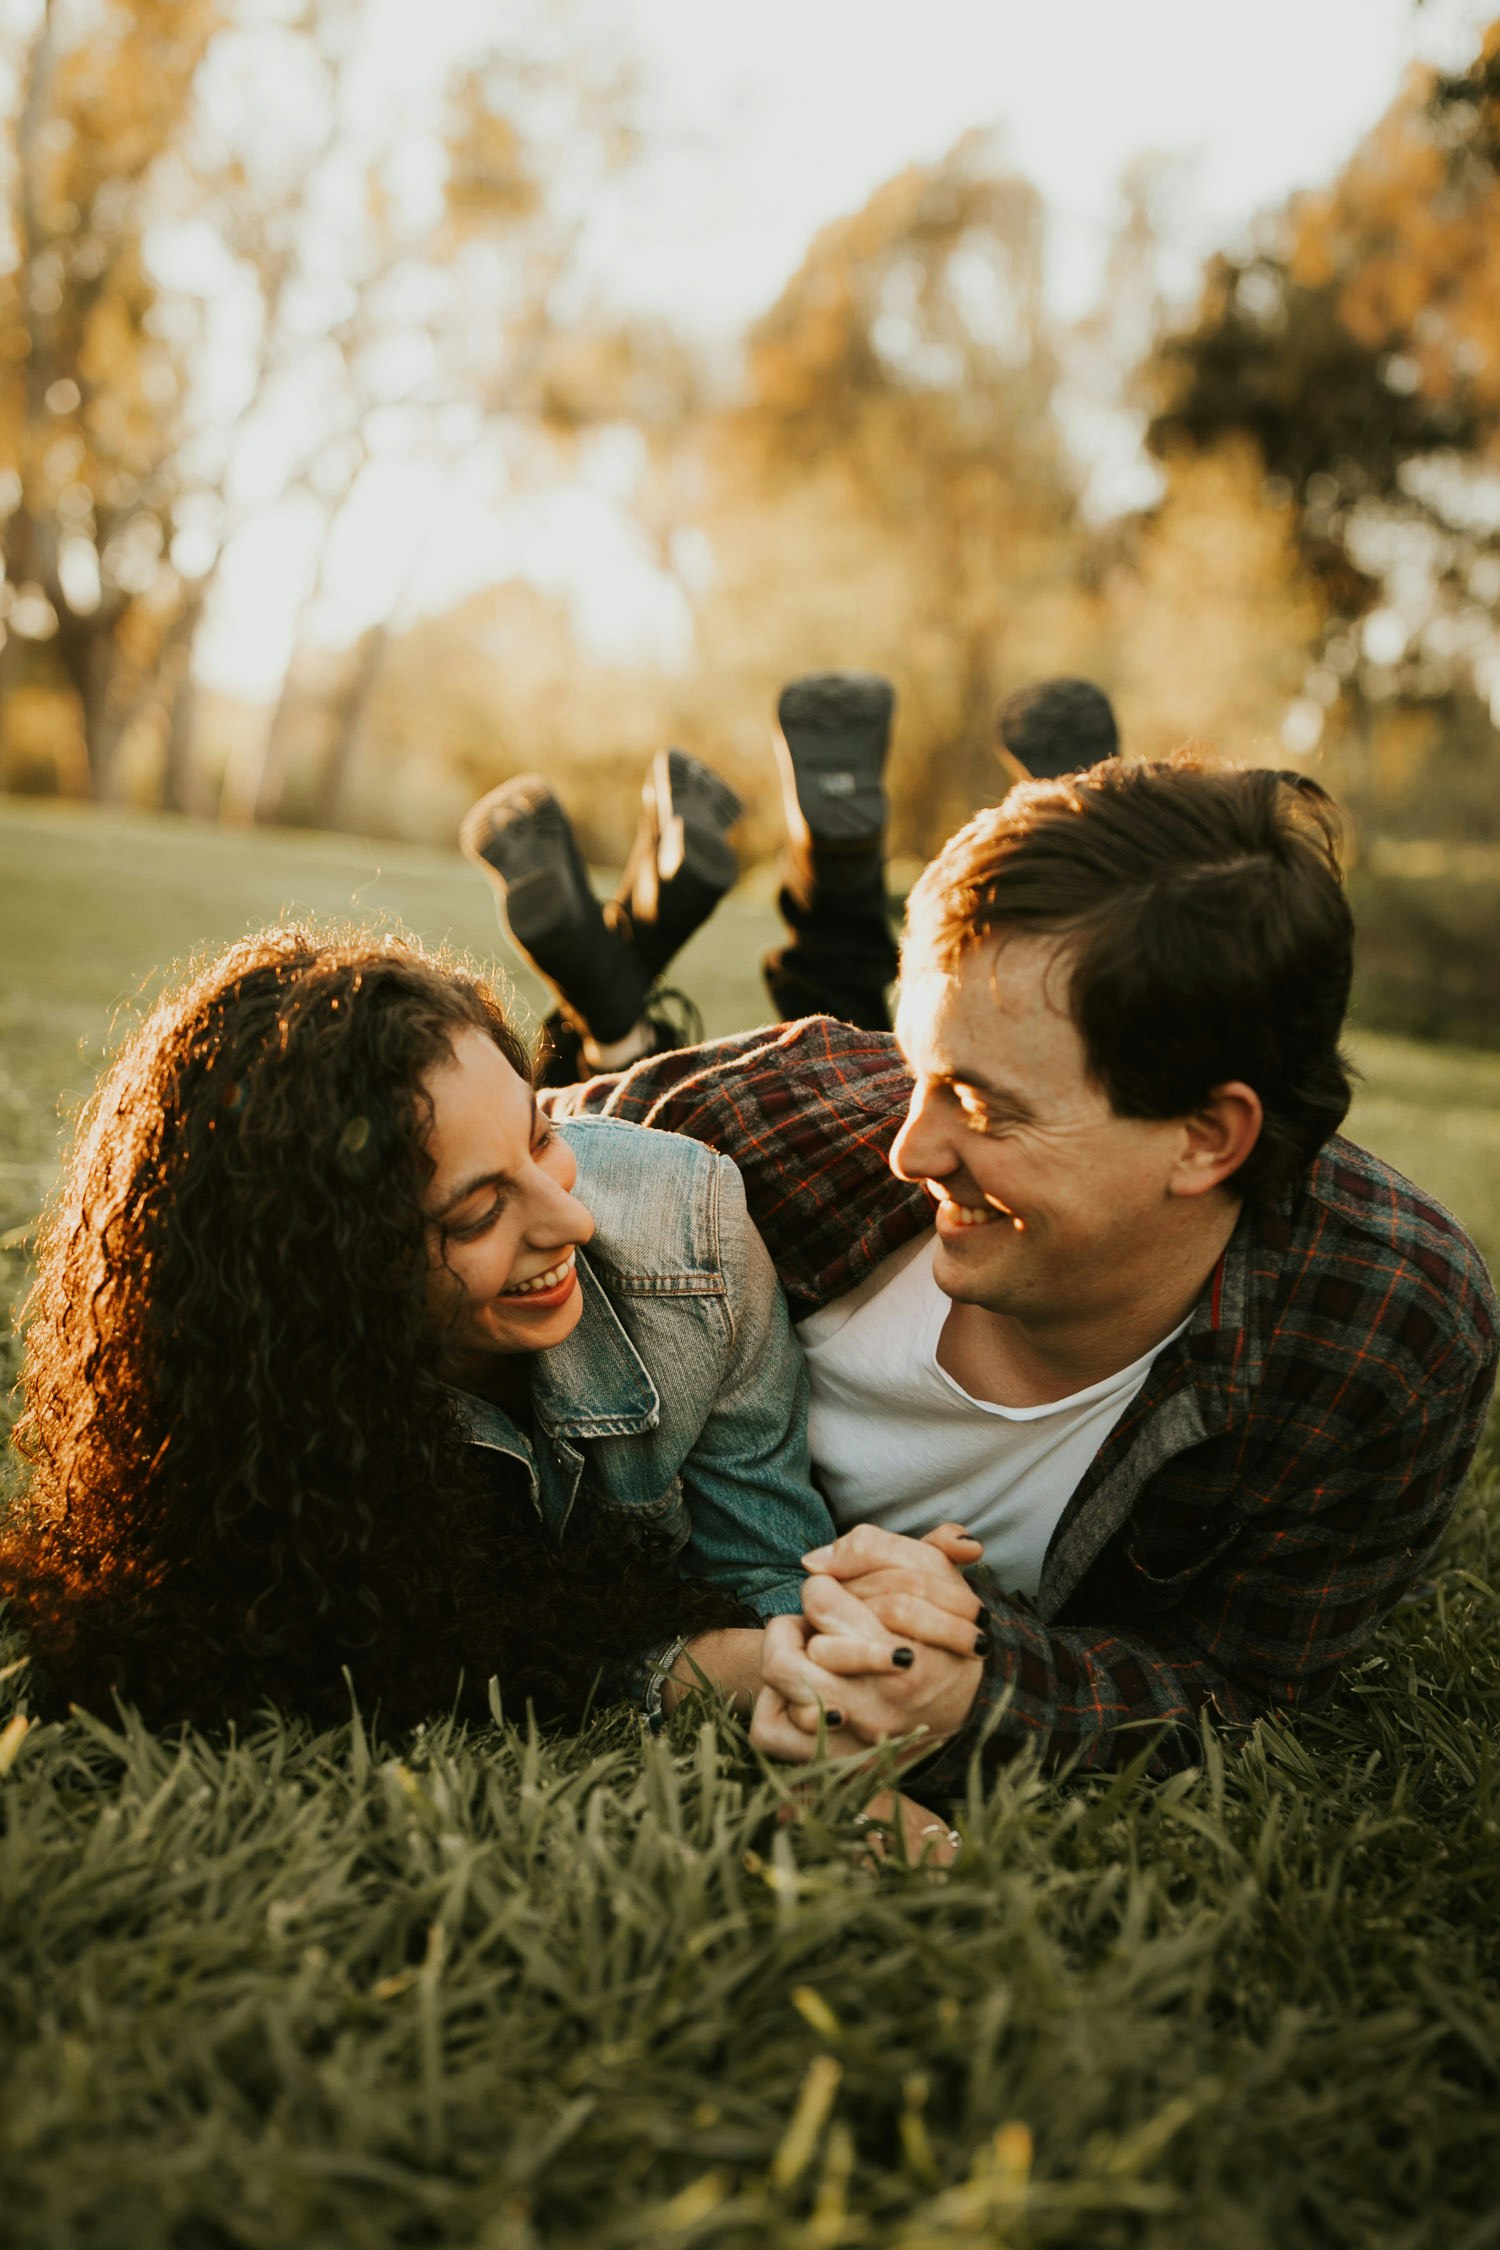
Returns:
(333, 1380)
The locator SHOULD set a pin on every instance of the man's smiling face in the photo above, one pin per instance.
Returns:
(1049, 1205)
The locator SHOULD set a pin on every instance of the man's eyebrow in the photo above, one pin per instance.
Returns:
(1003, 1097)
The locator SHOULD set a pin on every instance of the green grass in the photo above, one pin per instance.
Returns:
(476, 1989)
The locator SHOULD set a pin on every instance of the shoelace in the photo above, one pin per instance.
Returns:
(674, 1018)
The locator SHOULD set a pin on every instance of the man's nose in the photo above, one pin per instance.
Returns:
(923, 1148)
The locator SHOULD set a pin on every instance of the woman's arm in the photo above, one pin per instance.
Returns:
(747, 1479)
(727, 1659)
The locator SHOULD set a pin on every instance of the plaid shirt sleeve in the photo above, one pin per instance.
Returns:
(1268, 1625)
(1334, 1488)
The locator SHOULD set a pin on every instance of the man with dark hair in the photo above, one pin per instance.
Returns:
(1078, 1258)
(1055, 727)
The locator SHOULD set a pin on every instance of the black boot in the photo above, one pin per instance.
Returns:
(680, 864)
(519, 835)
(835, 732)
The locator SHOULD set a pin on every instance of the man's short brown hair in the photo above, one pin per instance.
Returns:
(1207, 930)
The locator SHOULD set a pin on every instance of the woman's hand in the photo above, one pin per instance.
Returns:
(951, 1539)
(892, 1827)
(888, 1642)
(898, 1828)
(858, 1690)
(913, 1588)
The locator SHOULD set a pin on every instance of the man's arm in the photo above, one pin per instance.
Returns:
(662, 1090)
(1265, 1625)
(808, 1111)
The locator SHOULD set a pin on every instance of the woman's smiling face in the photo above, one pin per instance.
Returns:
(503, 1222)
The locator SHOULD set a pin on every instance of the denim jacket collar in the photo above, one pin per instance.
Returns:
(593, 1384)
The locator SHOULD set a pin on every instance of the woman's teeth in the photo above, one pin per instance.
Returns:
(541, 1281)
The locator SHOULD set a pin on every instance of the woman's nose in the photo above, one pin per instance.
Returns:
(558, 1216)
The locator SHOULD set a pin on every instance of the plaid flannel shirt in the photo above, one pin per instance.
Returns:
(1270, 1493)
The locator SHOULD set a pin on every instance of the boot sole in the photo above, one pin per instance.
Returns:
(684, 863)
(836, 729)
(699, 810)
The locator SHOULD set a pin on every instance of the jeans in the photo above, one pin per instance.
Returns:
(841, 956)
(839, 960)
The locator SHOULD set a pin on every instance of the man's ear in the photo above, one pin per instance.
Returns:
(1217, 1139)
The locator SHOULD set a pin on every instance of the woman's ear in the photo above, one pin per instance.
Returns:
(1217, 1139)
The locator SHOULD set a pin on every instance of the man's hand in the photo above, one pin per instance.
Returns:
(796, 1741)
(925, 1840)
(912, 1587)
(825, 1670)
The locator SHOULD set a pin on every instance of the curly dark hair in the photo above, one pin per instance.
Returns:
(247, 1476)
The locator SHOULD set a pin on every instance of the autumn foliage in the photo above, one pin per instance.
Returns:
(882, 478)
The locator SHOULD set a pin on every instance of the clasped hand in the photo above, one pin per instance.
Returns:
(889, 1641)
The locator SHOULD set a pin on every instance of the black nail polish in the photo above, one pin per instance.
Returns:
(903, 1658)
(982, 1643)
(834, 1718)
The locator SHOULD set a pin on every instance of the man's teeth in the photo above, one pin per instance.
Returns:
(969, 1214)
(540, 1281)
(979, 1215)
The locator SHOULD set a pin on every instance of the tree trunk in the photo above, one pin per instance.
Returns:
(10, 666)
(349, 715)
(349, 712)
(260, 799)
(179, 764)
(179, 696)
(85, 648)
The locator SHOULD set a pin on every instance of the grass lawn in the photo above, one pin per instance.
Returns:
(479, 1989)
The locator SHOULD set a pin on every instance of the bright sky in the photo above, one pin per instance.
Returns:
(792, 112)
(765, 123)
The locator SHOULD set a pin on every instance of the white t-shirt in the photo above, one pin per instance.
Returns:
(896, 1441)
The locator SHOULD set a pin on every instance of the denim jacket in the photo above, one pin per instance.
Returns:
(675, 1414)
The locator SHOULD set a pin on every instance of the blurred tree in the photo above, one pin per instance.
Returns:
(538, 394)
(511, 366)
(92, 373)
(244, 272)
(893, 492)
(157, 312)
(1358, 347)
(496, 686)
(1212, 613)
